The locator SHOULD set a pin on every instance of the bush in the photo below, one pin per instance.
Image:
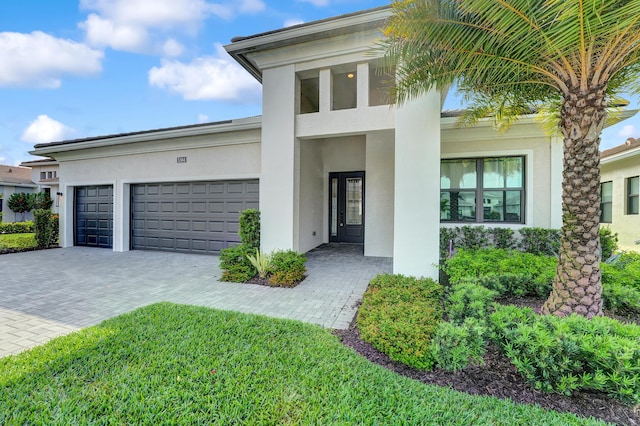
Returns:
(250, 228)
(473, 237)
(399, 316)
(469, 300)
(540, 241)
(503, 238)
(261, 262)
(572, 353)
(287, 268)
(17, 227)
(624, 270)
(453, 347)
(46, 228)
(608, 242)
(621, 299)
(235, 265)
(447, 236)
(509, 272)
(20, 202)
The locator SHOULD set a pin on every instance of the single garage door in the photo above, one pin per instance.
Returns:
(191, 217)
(94, 216)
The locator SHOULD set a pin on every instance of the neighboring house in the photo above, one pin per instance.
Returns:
(328, 161)
(44, 173)
(14, 179)
(620, 188)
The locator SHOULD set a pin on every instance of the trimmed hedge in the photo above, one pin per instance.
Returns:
(286, 268)
(399, 316)
(235, 265)
(17, 227)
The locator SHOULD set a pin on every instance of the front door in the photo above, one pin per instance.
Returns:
(346, 207)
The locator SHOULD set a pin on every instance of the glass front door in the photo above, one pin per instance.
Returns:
(346, 207)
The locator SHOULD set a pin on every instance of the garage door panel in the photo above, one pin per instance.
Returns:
(93, 206)
(195, 217)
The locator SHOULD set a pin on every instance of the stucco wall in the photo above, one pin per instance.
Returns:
(626, 225)
(312, 200)
(542, 183)
(9, 215)
(379, 194)
(152, 162)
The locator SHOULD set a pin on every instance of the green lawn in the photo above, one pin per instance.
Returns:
(17, 241)
(173, 364)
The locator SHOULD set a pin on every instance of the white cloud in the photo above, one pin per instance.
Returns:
(292, 22)
(319, 3)
(172, 48)
(40, 60)
(203, 118)
(212, 77)
(252, 6)
(45, 129)
(144, 25)
(628, 131)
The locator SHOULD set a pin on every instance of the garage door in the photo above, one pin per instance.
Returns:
(191, 217)
(94, 216)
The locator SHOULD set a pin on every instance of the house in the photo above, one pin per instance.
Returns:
(44, 173)
(329, 160)
(620, 189)
(14, 179)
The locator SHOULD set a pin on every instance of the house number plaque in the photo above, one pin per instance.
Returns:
(182, 160)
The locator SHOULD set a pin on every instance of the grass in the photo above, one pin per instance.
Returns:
(173, 364)
(17, 241)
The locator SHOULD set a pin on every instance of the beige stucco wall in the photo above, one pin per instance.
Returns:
(380, 170)
(227, 156)
(626, 225)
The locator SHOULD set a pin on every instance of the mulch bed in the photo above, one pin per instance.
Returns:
(265, 282)
(498, 377)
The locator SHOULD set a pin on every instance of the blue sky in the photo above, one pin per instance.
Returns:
(77, 68)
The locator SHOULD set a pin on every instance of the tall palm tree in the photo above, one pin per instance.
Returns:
(510, 57)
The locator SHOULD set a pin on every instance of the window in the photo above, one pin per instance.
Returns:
(309, 92)
(381, 81)
(344, 89)
(482, 190)
(606, 202)
(633, 192)
(49, 175)
(55, 174)
(43, 175)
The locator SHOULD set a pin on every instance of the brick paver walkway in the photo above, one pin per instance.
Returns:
(44, 294)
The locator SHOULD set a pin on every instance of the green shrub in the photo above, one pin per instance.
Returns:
(447, 236)
(399, 316)
(250, 228)
(287, 268)
(509, 272)
(503, 238)
(17, 227)
(235, 265)
(621, 299)
(608, 242)
(41, 200)
(17, 241)
(572, 353)
(46, 228)
(261, 262)
(539, 241)
(468, 300)
(453, 347)
(625, 270)
(473, 237)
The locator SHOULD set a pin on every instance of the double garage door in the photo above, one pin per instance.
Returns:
(190, 217)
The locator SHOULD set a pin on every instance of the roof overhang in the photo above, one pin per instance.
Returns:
(48, 149)
(621, 156)
(241, 48)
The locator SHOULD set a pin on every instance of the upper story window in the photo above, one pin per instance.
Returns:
(344, 88)
(482, 190)
(43, 175)
(49, 175)
(633, 193)
(606, 202)
(381, 82)
(309, 92)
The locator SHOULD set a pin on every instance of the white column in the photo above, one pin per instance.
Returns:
(417, 187)
(363, 85)
(278, 174)
(66, 215)
(556, 182)
(324, 87)
(378, 236)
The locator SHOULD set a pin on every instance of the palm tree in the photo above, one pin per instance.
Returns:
(511, 57)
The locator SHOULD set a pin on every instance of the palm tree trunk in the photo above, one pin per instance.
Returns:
(577, 286)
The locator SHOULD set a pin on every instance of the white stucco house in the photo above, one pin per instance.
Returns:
(44, 174)
(620, 189)
(328, 161)
(14, 180)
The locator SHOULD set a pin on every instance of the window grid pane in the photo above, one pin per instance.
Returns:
(633, 195)
(606, 203)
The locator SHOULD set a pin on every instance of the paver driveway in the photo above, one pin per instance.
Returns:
(44, 294)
